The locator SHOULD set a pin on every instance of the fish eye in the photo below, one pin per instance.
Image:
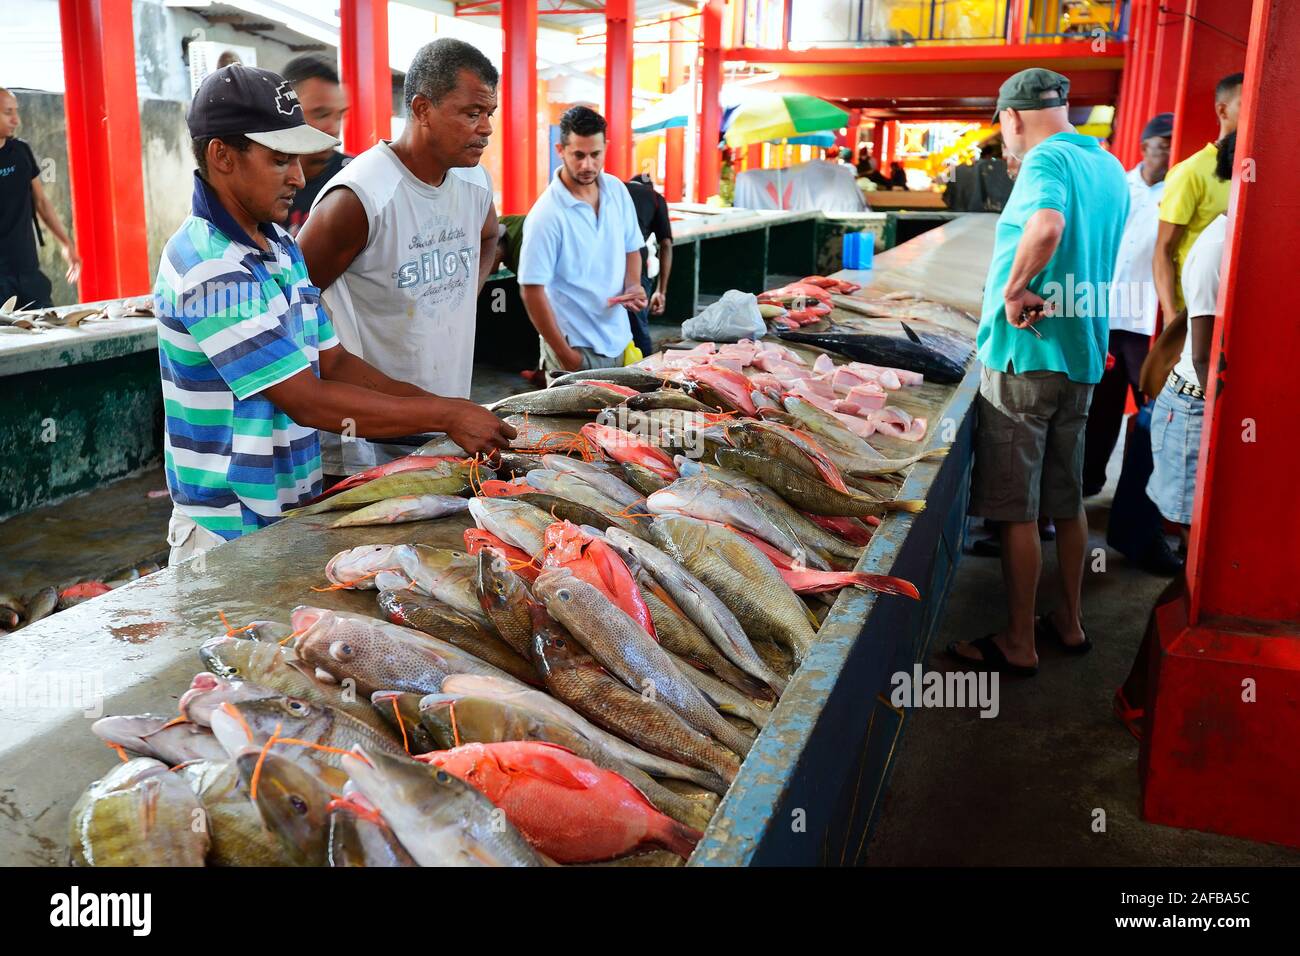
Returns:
(559, 642)
(563, 594)
(296, 706)
(298, 803)
(442, 776)
(341, 651)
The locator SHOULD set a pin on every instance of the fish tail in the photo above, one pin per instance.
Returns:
(674, 836)
(910, 505)
(886, 584)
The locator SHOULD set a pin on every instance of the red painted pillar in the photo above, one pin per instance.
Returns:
(1208, 56)
(620, 18)
(1016, 26)
(1127, 108)
(891, 146)
(1221, 751)
(1142, 52)
(850, 137)
(878, 142)
(709, 171)
(1163, 92)
(518, 106)
(675, 136)
(104, 158)
(363, 55)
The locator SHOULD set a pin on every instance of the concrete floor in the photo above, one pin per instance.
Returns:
(1021, 788)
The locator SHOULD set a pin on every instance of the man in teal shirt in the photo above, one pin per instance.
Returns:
(1042, 339)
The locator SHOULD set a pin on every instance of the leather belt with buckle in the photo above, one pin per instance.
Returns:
(1182, 386)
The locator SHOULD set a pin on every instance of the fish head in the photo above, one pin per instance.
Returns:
(553, 649)
(281, 716)
(564, 542)
(236, 658)
(500, 589)
(359, 564)
(401, 710)
(555, 585)
(292, 800)
(388, 782)
(334, 643)
(209, 691)
(451, 720)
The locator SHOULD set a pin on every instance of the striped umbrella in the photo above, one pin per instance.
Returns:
(762, 116)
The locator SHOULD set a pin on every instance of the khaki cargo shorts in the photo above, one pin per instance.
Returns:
(1029, 432)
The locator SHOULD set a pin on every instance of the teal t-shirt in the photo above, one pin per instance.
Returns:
(1074, 175)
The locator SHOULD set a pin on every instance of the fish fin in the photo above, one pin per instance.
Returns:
(910, 334)
(549, 768)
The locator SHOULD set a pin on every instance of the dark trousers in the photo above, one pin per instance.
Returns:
(1108, 400)
(1135, 524)
(641, 320)
(31, 288)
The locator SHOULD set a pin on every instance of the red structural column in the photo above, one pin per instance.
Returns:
(1142, 52)
(878, 143)
(1162, 93)
(891, 146)
(104, 158)
(1221, 751)
(518, 105)
(675, 136)
(1213, 47)
(708, 170)
(620, 19)
(363, 55)
(1123, 124)
(1016, 25)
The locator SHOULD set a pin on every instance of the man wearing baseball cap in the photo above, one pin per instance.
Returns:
(1042, 341)
(250, 364)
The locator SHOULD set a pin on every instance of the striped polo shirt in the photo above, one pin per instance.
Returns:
(234, 320)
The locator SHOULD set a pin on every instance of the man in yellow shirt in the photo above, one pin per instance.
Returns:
(1194, 197)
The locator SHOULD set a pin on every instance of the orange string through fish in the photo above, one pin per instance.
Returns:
(232, 631)
(401, 724)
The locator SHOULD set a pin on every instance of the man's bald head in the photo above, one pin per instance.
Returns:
(8, 115)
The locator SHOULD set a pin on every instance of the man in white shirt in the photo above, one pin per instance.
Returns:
(1133, 303)
(402, 239)
(580, 263)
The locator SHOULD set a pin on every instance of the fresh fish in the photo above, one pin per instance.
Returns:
(622, 446)
(667, 398)
(517, 523)
(378, 655)
(742, 577)
(622, 645)
(281, 670)
(564, 508)
(401, 710)
(564, 805)
(440, 446)
(170, 739)
(357, 567)
(629, 376)
(450, 478)
(598, 476)
(444, 622)
(568, 485)
(138, 814)
(712, 500)
(239, 838)
(403, 509)
(293, 803)
(208, 692)
(701, 605)
(394, 467)
(642, 479)
(850, 453)
(41, 604)
(451, 721)
(723, 696)
(575, 677)
(579, 400)
(592, 560)
(443, 574)
(440, 820)
(358, 836)
(808, 493)
(939, 356)
(504, 597)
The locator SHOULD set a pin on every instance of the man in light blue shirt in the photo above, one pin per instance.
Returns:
(1042, 339)
(580, 262)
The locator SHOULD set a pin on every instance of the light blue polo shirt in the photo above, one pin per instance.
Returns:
(1074, 175)
(581, 258)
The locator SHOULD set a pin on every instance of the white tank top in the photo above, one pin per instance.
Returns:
(407, 303)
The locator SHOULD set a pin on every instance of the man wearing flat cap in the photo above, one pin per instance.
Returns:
(251, 367)
(1042, 340)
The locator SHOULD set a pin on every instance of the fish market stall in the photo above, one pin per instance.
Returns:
(811, 781)
(84, 406)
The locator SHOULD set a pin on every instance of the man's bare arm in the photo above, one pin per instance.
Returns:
(660, 297)
(540, 313)
(1201, 329)
(1163, 273)
(487, 246)
(1038, 243)
(50, 216)
(334, 234)
(340, 365)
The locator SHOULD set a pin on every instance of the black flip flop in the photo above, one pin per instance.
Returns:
(1043, 625)
(992, 660)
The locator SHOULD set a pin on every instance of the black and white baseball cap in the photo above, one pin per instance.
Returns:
(259, 104)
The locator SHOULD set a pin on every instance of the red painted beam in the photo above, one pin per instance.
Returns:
(969, 89)
(1137, 102)
(1208, 55)
(1114, 53)
(1126, 107)
(104, 159)
(708, 171)
(1163, 93)
(367, 79)
(518, 106)
(1221, 754)
(620, 19)
(675, 137)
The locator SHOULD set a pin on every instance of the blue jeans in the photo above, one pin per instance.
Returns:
(641, 320)
(1175, 449)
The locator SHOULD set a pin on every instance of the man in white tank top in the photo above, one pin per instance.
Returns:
(400, 241)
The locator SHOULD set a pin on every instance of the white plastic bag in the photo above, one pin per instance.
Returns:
(733, 317)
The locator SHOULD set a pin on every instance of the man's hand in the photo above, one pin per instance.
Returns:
(632, 298)
(73, 260)
(570, 358)
(657, 303)
(1024, 308)
(474, 428)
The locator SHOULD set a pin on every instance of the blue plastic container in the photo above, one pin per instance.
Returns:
(859, 249)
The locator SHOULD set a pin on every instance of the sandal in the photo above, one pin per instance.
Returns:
(992, 658)
(1129, 715)
(1043, 626)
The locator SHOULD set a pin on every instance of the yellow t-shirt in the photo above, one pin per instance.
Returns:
(1194, 197)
